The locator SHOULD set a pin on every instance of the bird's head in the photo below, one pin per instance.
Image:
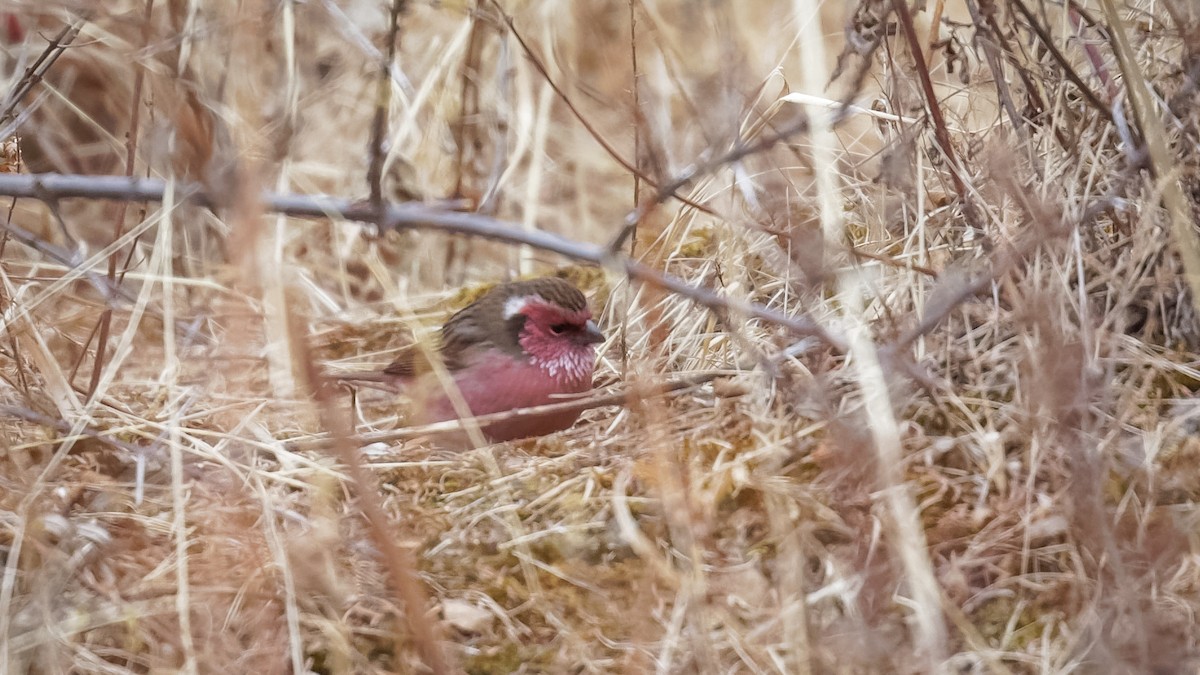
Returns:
(549, 320)
(544, 321)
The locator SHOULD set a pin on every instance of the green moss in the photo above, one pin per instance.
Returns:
(992, 618)
(507, 658)
(700, 244)
(994, 621)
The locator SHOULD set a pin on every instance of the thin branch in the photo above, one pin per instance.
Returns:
(34, 73)
(990, 44)
(694, 171)
(630, 230)
(383, 102)
(110, 290)
(408, 216)
(636, 90)
(576, 404)
(741, 150)
(1069, 71)
(592, 131)
(940, 132)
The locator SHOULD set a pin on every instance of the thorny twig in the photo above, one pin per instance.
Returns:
(34, 73)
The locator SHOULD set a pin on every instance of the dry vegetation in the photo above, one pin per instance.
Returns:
(986, 462)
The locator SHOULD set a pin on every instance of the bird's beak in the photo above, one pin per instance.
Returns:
(591, 333)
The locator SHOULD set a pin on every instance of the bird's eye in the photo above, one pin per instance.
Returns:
(560, 328)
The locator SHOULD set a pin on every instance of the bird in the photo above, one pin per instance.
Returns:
(519, 345)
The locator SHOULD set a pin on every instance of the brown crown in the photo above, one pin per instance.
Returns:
(550, 289)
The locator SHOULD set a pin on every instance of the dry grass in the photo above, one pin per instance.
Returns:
(994, 471)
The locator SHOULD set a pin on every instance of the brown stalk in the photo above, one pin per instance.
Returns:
(989, 38)
(940, 132)
(468, 96)
(400, 565)
(635, 88)
(135, 114)
(383, 98)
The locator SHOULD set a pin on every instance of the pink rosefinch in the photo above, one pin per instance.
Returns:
(520, 345)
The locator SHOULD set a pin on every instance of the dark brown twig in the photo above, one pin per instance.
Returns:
(34, 73)
(989, 37)
(383, 101)
(638, 123)
(940, 132)
(131, 140)
(1068, 70)
(635, 90)
(468, 97)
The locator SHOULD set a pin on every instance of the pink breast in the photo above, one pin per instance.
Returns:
(497, 383)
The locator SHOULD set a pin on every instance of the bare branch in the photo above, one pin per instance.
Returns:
(49, 187)
(34, 74)
(383, 101)
(940, 133)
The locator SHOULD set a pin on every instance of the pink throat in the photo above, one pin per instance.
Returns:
(567, 363)
(563, 359)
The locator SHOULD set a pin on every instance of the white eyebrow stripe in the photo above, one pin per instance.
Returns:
(514, 305)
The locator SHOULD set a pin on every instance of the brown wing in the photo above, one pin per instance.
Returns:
(405, 363)
(459, 336)
(466, 331)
